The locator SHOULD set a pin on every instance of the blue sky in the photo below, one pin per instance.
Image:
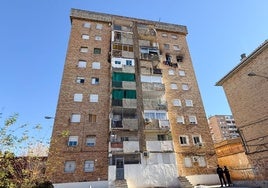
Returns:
(34, 37)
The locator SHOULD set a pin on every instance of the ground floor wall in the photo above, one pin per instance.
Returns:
(148, 175)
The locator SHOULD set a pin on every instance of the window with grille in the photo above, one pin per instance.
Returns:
(89, 166)
(69, 166)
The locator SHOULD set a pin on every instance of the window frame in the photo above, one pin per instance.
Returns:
(84, 49)
(190, 118)
(180, 120)
(82, 64)
(91, 140)
(184, 140)
(73, 141)
(95, 81)
(176, 102)
(93, 98)
(78, 97)
(97, 51)
(96, 65)
(75, 118)
(72, 165)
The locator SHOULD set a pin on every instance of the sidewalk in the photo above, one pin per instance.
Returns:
(219, 186)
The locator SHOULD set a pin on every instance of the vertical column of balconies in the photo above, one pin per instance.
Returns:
(123, 119)
(157, 127)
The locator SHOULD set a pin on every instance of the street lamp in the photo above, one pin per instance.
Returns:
(254, 74)
(49, 117)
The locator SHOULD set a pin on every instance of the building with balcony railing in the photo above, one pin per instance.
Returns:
(130, 107)
(222, 128)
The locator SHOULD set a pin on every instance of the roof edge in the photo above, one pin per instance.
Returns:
(243, 63)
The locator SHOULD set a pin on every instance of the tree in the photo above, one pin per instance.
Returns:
(21, 171)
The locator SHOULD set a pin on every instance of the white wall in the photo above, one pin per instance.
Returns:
(93, 184)
(153, 172)
(206, 179)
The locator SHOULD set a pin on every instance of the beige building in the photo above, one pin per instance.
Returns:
(246, 88)
(222, 127)
(129, 111)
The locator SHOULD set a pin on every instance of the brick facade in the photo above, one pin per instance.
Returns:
(248, 99)
(111, 135)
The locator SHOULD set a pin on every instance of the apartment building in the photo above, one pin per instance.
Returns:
(246, 87)
(129, 109)
(222, 127)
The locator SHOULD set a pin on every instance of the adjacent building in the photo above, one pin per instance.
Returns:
(222, 127)
(129, 109)
(246, 88)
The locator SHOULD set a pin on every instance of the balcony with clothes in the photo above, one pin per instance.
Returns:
(169, 60)
(149, 53)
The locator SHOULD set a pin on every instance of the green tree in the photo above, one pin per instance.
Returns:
(21, 171)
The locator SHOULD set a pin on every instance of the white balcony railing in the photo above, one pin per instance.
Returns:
(159, 145)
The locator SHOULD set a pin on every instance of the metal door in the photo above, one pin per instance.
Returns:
(119, 162)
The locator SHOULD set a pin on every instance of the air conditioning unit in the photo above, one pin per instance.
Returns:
(199, 144)
(148, 120)
(146, 154)
(195, 159)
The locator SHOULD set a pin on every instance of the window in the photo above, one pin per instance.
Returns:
(80, 80)
(185, 87)
(171, 72)
(176, 102)
(192, 120)
(187, 162)
(97, 37)
(89, 166)
(85, 37)
(129, 62)
(82, 64)
(181, 73)
(97, 51)
(176, 47)
(188, 102)
(84, 49)
(91, 141)
(184, 140)
(161, 137)
(174, 86)
(180, 119)
(117, 62)
(75, 118)
(93, 98)
(149, 114)
(73, 141)
(86, 25)
(69, 166)
(174, 36)
(197, 140)
(94, 81)
(78, 97)
(96, 65)
(99, 26)
(179, 58)
(202, 161)
(166, 46)
(164, 35)
(92, 118)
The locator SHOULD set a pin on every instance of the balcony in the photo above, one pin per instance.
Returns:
(155, 124)
(159, 146)
(125, 146)
(124, 85)
(129, 124)
(125, 103)
(154, 104)
(153, 86)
